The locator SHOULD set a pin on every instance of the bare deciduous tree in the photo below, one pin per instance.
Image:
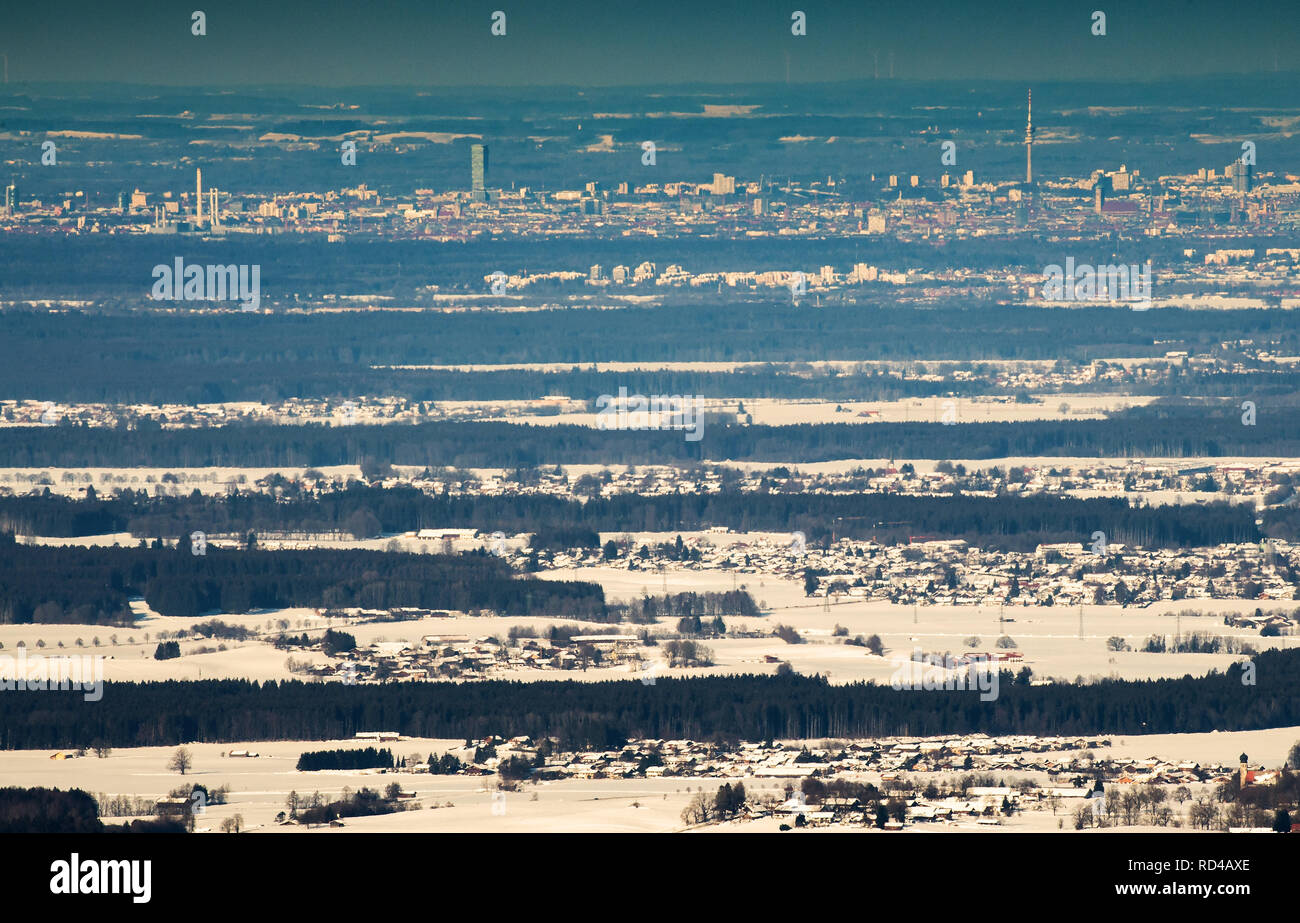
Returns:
(699, 810)
(181, 761)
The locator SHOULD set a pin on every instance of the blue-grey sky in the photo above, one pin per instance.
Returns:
(638, 42)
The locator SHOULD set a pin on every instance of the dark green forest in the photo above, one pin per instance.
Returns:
(44, 810)
(93, 585)
(208, 357)
(367, 758)
(1005, 522)
(606, 714)
(50, 810)
(1182, 430)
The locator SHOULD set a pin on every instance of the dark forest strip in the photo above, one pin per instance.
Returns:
(606, 714)
(1186, 430)
(1005, 522)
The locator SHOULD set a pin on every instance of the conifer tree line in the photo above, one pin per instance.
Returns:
(1005, 522)
(1181, 430)
(367, 758)
(45, 584)
(606, 714)
(197, 357)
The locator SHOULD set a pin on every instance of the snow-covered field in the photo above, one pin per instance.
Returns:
(260, 786)
(1049, 637)
(990, 409)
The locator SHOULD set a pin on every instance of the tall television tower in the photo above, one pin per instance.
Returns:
(1029, 141)
(198, 198)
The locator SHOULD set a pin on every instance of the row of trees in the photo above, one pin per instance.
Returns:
(195, 357)
(1013, 522)
(1185, 429)
(585, 715)
(368, 758)
(1148, 805)
(46, 810)
(696, 607)
(362, 803)
(75, 584)
(729, 801)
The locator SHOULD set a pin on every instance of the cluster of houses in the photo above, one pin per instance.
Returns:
(369, 410)
(1261, 621)
(885, 758)
(1067, 772)
(885, 761)
(952, 573)
(1196, 482)
(461, 657)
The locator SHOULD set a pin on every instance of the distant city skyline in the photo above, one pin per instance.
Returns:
(575, 43)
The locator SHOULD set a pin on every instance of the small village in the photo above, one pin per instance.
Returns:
(462, 657)
(954, 779)
(954, 574)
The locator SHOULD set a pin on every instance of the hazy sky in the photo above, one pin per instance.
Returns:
(638, 42)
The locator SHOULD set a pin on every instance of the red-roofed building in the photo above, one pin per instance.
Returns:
(1120, 209)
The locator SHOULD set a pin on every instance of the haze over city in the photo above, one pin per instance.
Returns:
(685, 418)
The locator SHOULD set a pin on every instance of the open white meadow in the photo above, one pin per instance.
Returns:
(259, 787)
(1050, 638)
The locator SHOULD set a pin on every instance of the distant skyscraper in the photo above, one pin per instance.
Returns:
(1242, 176)
(198, 198)
(1029, 140)
(11, 198)
(478, 167)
